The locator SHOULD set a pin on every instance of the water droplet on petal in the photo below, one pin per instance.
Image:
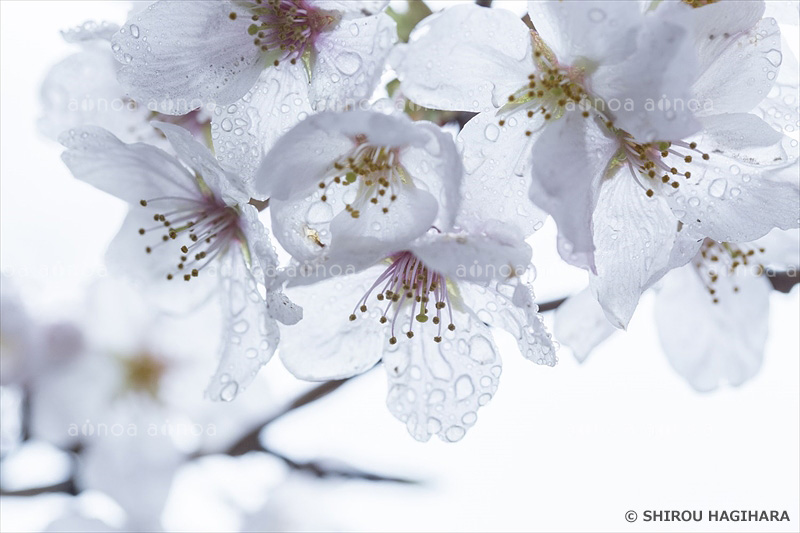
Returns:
(597, 15)
(135, 31)
(717, 188)
(229, 392)
(492, 132)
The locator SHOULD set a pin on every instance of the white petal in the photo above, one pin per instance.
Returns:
(510, 305)
(327, 344)
(297, 162)
(349, 61)
(83, 89)
(748, 186)
(638, 240)
(243, 132)
(721, 24)
(132, 172)
(705, 342)
(581, 324)
(197, 157)
(193, 54)
(594, 30)
(465, 58)
(743, 71)
(250, 335)
(647, 92)
(493, 254)
(351, 7)
(497, 166)
(409, 217)
(569, 159)
(437, 388)
(436, 168)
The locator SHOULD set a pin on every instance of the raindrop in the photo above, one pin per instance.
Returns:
(775, 58)
(694, 201)
(717, 188)
(354, 29)
(597, 15)
(135, 33)
(128, 58)
(491, 132)
(469, 418)
(455, 433)
(226, 124)
(348, 63)
(229, 392)
(464, 387)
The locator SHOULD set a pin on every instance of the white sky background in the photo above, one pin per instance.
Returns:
(568, 448)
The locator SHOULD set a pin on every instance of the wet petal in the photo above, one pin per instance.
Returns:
(329, 345)
(598, 31)
(465, 58)
(243, 132)
(748, 186)
(739, 70)
(194, 53)
(509, 304)
(250, 335)
(437, 388)
(569, 159)
(497, 166)
(638, 240)
(496, 253)
(350, 61)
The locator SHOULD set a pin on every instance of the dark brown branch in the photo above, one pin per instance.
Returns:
(783, 281)
(321, 470)
(551, 305)
(484, 3)
(250, 442)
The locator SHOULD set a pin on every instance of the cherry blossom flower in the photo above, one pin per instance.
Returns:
(265, 64)
(424, 307)
(359, 180)
(733, 181)
(31, 348)
(711, 315)
(587, 61)
(189, 221)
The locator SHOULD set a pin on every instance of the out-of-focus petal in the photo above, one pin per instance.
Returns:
(707, 343)
(581, 324)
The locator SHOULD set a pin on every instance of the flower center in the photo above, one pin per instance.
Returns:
(552, 89)
(408, 284)
(718, 258)
(656, 165)
(698, 3)
(143, 373)
(205, 228)
(373, 171)
(285, 29)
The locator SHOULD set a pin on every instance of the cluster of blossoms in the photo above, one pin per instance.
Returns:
(265, 172)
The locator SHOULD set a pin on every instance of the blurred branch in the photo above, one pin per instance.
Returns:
(484, 3)
(783, 281)
(67, 487)
(320, 470)
(251, 442)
